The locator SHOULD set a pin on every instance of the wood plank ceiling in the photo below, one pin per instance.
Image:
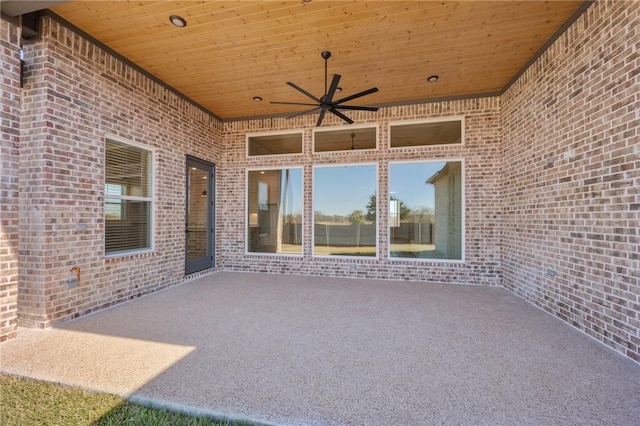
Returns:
(231, 51)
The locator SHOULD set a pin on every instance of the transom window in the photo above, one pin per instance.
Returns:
(128, 204)
(344, 139)
(274, 144)
(447, 131)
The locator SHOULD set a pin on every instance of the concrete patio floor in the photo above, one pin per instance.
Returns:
(324, 351)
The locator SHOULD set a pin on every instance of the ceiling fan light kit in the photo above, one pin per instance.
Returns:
(326, 102)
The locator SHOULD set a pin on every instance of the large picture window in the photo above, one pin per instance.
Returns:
(128, 204)
(426, 208)
(345, 210)
(274, 209)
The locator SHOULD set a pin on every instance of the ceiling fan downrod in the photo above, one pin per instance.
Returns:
(325, 55)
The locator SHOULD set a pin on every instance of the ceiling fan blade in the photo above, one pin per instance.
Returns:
(341, 115)
(292, 103)
(333, 87)
(303, 112)
(356, 108)
(304, 92)
(321, 117)
(357, 95)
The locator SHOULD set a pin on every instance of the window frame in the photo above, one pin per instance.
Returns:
(399, 123)
(348, 128)
(376, 165)
(247, 221)
(463, 229)
(150, 199)
(274, 133)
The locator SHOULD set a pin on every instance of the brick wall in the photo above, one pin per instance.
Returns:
(9, 140)
(75, 94)
(482, 158)
(571, 177)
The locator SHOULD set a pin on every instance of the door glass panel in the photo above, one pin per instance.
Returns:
(197, 213)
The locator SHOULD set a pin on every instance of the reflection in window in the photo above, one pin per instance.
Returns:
(113, 206)
(264, 215)
(344, 202)
(275, 211)
(425, 210)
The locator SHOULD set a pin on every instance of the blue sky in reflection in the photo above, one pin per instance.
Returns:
(407, 182)
(339, 190)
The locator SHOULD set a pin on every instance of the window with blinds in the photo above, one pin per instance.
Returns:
(128, 198)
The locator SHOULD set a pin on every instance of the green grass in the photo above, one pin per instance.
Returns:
(28, 402)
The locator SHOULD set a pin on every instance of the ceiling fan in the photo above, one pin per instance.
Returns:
(326, 102)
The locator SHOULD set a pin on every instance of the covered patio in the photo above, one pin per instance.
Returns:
(287, 349)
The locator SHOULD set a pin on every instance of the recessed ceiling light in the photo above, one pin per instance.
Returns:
(257, 98)
(338, 89)
(178, 21)
(433, 78)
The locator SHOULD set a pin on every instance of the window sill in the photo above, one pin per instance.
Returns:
(128, 255)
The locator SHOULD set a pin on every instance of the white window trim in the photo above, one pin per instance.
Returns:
(462, 206)
(339, 128)
(152, 199)
(274, 133)
(313, 209)
(246, 210)
(460, 118)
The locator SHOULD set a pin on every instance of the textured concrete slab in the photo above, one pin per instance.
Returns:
(322, 351)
